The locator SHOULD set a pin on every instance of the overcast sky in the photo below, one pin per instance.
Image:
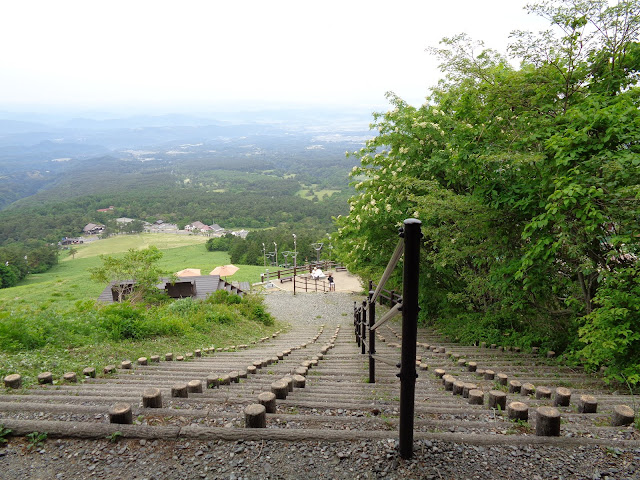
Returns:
(194, 54)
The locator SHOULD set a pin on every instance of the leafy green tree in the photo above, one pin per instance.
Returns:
(8, 276)
(526, 179)
(137, 267)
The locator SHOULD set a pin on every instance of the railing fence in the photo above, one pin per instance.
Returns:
(409, 246)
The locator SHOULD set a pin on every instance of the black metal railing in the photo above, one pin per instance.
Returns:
(365, 325)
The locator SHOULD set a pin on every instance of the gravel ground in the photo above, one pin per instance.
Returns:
(140, 459)
(312, 308)
(370, 459)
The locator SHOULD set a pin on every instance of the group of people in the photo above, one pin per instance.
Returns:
(317, 274)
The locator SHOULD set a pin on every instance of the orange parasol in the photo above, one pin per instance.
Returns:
(224, 270)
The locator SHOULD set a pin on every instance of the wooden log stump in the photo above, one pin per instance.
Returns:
(197, 353)
(301, 371)
(121, 413)
(501, 348)
(562, 398)
(288, 379)
(472, 366)
(313, 363)
(439, 373)
(154, 358)
(255, 416)
(257, 364)
(213, 381)
(13, 381)
(458, 386)
(280, 389)
(543, 392)
(234, 376)
(547, 422)
(448, 382)
(125, 365)
(45, 377)
(89, 372)
(476, 397)
(70, 377)
(151, 398)
(168, 357)
(462, 363)
(442, 350)
(515, 386)
(268, 399)
(494, 346)
(142, 361)
(535, 350)
(518, 411)
(497, 399)
(251, 369)
(622, 415)
(502, 379)
(527, 389)
(551, 354)
(242, 373)
(225, 380)
(194, 386)
(489, 374)
(179, 390)
(483, 344)
(299, 381)
(480, 372)
(109, 369)
(516, 349)
(180, 358)
(587, 404)
(467, 388)
(280, 357)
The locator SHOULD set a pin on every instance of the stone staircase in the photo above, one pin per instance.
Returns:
(336, 403)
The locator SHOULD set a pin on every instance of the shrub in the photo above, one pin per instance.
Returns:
(122, 321)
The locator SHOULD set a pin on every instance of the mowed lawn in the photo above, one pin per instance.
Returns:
(70, 281)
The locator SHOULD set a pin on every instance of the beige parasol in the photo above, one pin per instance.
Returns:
(224, 270)
(189, 272)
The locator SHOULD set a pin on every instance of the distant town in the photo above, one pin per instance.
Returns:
(92, 230)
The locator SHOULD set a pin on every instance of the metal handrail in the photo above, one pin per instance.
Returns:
(393, 262)
(397, 308)
(409, 245)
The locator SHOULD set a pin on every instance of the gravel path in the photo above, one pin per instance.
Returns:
(312, 308)
(366, 459)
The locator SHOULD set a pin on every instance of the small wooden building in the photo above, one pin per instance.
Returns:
(197, 287)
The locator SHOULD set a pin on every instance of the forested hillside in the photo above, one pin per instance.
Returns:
(239, 176)
(527, 182)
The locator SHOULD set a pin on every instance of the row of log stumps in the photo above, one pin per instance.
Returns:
(14, 380)
(256, 413)
(547, 417)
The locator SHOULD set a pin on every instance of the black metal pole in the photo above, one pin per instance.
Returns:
(372, 339)
(411, 274)
(356, 322)
(363, 327)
